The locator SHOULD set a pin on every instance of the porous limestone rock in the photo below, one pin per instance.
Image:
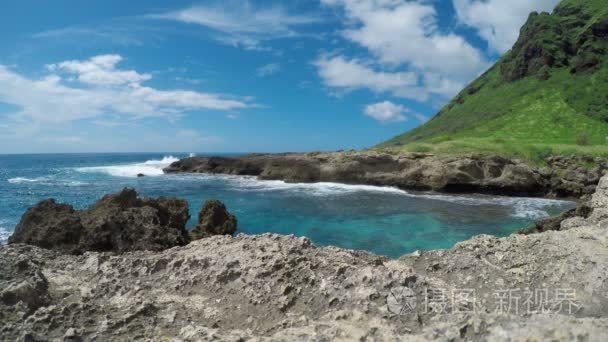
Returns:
(273, 287)
(563, 177)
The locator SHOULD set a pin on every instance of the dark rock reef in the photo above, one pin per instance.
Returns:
(118, 223)
(563, 177)
(214, 219)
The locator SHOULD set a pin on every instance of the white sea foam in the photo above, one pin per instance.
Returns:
(4, 234)
(251, 183)
(23, 180)
(522, 207)
(148, 168)
(47, 180)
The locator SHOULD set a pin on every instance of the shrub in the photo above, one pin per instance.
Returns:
(419, 148)
(583, 139)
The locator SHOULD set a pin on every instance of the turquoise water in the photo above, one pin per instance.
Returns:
(385, 221)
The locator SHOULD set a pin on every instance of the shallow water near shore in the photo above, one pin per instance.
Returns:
(383, 220)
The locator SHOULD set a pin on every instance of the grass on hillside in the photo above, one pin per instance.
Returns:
(528, 118)
(559, 110)
(507, 111)
(532, 153)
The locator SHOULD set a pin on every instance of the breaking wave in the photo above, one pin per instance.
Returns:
(48, 180)
(521, 207)
(148, 168)
(23, 180)
(4, 234)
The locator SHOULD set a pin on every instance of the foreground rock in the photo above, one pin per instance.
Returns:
(582, 211)
(564, 177)
(547, 286)
(214, 219)
(118, 223)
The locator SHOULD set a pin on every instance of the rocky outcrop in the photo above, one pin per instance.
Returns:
(567, 38)
(27, 294)
(547, 286)
(582, 210)
(564, 176)
(118, 223)
(214, 219)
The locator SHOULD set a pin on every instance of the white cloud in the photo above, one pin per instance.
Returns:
(386, 112)
(412, 57)
(241, 23)
(338, 72)
(100, 89)
(268, 69)
(499, 21)
(401, 32)
(101, 70)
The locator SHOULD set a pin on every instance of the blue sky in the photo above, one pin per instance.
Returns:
(237, 75)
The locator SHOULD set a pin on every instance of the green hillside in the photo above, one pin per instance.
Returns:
(548, 95)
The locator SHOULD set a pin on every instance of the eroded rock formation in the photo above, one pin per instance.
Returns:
(547, 286)
(118, 223)
(214, 219)
(564, 177)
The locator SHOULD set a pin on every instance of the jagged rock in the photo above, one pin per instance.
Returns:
(546, 286)
(563, 177)
(541, 45)
(49, 225)
(582, 211)
(214, 219)
(22, 284)
(118, 223)
(272, 287)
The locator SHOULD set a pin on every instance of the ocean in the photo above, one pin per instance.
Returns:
(383, 220)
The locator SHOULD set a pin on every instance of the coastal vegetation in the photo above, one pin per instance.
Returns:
(547, 96)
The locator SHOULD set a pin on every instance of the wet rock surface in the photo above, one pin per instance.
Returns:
(563, 177)
(118, 223)
(547, 286)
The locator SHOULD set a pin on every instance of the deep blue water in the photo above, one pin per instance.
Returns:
(386, 221)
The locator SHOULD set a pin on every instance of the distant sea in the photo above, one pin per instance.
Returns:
(383, 220)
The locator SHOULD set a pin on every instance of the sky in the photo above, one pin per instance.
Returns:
(238, 75)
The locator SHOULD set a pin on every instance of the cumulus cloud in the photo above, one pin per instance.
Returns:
(386, 112)
(95, 88)
(403, 38)
(339, 72)
(268, 69)
(498, 21)
(101, 70)
(239, 22)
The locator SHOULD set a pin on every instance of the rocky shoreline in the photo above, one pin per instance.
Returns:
(119, 223)
(546, 286)
(563, 177)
